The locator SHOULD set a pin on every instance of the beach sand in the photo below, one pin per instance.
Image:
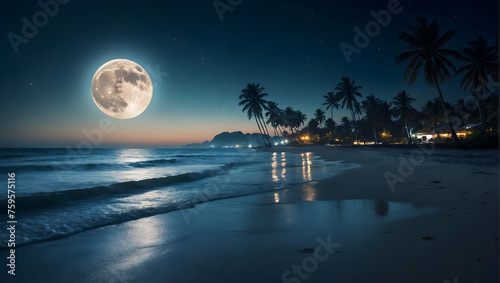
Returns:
(440, 225)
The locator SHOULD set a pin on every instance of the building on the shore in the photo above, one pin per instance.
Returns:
(442, 132)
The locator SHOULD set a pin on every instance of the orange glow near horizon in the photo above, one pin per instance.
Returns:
(130, 133)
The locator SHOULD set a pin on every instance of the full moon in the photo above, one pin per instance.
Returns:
(122, 89)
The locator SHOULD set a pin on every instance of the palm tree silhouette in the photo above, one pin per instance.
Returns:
(331, 101)
(482, 66)
(346, 125)
(293, 119)
(253, 102)
(300, 118)
(330, 125)
(372, 108)
(289, 121)
(274, 117)
(432, 114)
(319, 116)
(403, 109)
(347, 92)
(427, 53)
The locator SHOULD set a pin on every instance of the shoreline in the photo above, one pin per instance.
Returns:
(228, 238)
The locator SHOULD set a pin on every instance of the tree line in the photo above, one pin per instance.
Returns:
(398, 118)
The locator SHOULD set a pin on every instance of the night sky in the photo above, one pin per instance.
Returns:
(290, 47)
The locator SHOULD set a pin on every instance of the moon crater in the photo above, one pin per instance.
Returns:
(122, 89)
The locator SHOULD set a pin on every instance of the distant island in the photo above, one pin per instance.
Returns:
(229, 140)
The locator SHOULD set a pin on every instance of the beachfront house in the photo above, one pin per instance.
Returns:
(422, 137)
(442, 131)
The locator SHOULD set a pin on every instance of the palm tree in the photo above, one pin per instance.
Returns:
(482, 66)
(300, 119)
(330, 125)
(288, 114)
(432, 114)
(253, 102)
(371, 107)
(427, 53)
(346, 125)
(462, 110)
(312, 128)
(294, 119)
(331, 101)
(347, 92)
(274, 117)
(319, 116)
(403, 109)
(385, 114)
(291, 121)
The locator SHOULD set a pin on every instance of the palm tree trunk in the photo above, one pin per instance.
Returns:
(264, 126)
(266, 131)
(295, 135)
(260, 130)
(354, 124)
(453, 134)
(332, 113)
(281, 131)
(407, 131)
(375, 134)
(262, 133)
(481, 113)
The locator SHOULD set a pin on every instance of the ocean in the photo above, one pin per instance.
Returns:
(60, 192)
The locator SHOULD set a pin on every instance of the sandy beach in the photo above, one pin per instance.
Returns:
(439, 222)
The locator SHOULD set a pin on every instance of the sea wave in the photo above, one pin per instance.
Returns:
(67, 197)
(85, 166)
(36, 223)
(150, 163)
(52, 215)
(13, 155)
